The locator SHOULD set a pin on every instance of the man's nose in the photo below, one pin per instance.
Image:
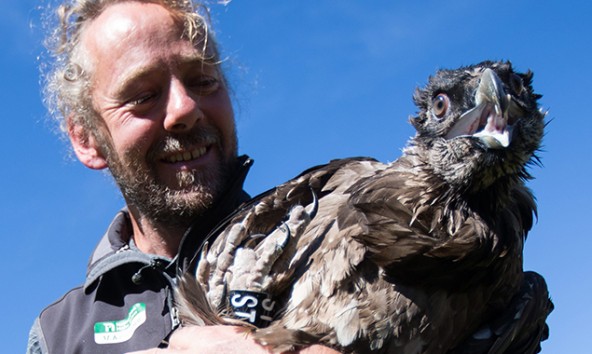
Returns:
(182, 111)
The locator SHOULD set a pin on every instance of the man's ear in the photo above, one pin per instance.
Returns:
(85, 147)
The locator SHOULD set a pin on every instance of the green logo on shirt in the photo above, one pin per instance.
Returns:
(111, 332)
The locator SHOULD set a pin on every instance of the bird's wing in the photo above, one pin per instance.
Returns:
(414, 230)
(264, 238)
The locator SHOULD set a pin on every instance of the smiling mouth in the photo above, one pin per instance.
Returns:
(184, 156)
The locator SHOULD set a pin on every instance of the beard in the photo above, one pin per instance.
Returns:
(141, 187)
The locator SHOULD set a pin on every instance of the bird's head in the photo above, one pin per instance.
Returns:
(478, 124)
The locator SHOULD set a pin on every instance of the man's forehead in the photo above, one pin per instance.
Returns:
(127, 22)
(133, 38)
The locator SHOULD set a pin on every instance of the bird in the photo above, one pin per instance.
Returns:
(423, 254)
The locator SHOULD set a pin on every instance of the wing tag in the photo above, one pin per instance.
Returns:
(253, 307)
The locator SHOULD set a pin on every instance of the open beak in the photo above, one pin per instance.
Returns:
(489, 120)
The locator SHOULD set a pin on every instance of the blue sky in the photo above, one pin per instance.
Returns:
(313, 81)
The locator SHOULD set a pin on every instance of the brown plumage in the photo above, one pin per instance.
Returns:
(422, 255)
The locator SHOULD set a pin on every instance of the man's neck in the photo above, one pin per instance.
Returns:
(155, 239)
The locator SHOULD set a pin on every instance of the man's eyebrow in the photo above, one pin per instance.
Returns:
(131, 77)
(196, 60)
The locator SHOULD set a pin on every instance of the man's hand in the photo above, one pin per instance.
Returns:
(220, 340)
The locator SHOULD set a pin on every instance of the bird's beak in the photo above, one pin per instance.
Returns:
(488, 120)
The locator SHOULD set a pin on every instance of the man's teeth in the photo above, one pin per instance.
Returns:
(187, 155)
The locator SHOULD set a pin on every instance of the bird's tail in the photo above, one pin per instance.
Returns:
(193, 305)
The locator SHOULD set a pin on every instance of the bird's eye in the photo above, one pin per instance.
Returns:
(440, 105)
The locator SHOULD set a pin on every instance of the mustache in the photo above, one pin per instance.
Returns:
(203, 136)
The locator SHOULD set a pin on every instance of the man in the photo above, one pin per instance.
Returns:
(141, 92)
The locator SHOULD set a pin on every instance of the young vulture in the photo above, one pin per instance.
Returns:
(422, 255)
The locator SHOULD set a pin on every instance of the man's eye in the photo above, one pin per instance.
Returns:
(141, 100)
(205, 85)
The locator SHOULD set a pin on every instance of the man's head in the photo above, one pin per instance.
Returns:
(141, 91)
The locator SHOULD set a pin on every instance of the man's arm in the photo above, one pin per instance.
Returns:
(221, 339)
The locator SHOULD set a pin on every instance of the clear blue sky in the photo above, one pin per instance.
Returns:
(313, 80)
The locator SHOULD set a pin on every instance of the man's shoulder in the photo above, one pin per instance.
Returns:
(111, 314)
(72, 296)
(55, 319)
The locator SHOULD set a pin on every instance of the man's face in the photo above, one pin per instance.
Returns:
(168, 133)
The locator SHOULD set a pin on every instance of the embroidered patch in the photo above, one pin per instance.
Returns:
(111, 332)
